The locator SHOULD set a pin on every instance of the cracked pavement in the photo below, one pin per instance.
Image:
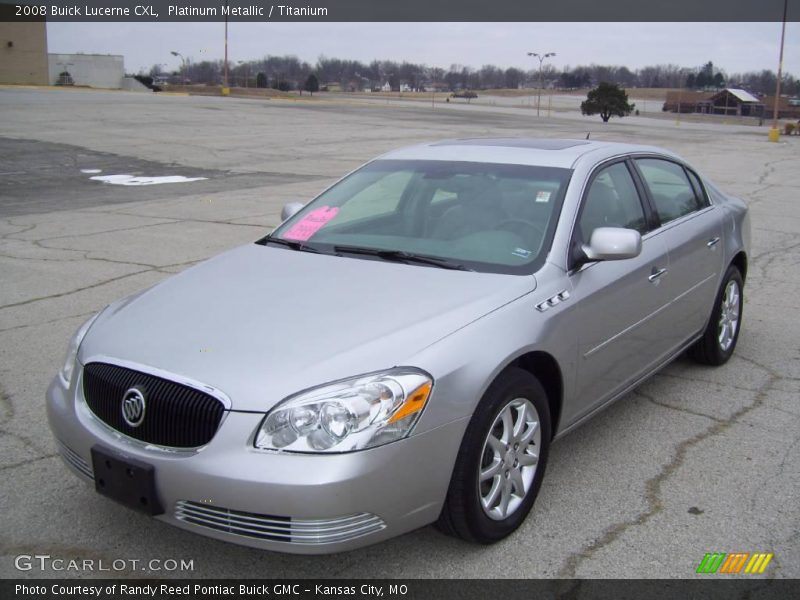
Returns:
(695, 460)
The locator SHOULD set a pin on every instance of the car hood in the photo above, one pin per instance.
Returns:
(259, 322)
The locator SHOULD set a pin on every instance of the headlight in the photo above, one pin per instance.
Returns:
(72, 350)
(354, 414)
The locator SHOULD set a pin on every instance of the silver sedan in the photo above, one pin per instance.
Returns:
(404, 348)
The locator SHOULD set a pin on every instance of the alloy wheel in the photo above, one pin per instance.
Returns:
(729, 316)
(509, 459)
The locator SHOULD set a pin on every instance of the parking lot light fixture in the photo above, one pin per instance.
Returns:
(541, 58)
(183, 65)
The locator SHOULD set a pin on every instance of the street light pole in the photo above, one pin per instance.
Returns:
(183, 65)
(541, 58)
(774, 133)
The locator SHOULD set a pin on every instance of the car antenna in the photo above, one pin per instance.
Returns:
(588, 134)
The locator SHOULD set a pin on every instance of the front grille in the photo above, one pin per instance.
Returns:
(278, 529)
(175, 415)
(71, 458)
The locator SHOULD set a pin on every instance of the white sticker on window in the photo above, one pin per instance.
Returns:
(543, 196)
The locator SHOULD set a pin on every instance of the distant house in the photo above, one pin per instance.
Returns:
(729, 101)
(732, 101)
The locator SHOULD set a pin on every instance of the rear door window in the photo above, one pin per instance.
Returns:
(670, 189)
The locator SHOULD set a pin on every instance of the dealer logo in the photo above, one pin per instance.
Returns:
(735, 563)
(133, 406)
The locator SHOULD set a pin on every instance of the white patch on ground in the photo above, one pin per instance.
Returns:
(91, 170)
(131, 180)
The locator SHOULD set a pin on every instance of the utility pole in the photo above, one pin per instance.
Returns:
(541, 58)
(225, 89)
(774, 133)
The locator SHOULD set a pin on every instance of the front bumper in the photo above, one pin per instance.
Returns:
(305, 504)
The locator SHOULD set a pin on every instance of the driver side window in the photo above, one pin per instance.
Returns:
(612, 201)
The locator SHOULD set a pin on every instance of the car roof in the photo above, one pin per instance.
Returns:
(545, 152)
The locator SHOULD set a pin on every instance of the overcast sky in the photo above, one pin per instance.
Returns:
(734, 47)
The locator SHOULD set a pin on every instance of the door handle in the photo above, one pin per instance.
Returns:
(656, 273)
(712, 242)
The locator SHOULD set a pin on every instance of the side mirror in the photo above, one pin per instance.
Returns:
(291, 209)
(613, 243)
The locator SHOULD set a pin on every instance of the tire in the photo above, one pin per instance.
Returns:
(488, 511)
(720, 337)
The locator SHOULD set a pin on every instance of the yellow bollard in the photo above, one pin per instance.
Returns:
(774, 134)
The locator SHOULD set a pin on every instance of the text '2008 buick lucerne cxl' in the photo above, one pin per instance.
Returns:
(403, 349)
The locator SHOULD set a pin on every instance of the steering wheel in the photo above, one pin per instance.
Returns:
(521, 227)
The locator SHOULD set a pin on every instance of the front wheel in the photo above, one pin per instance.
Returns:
(501, 462)
(720, 337)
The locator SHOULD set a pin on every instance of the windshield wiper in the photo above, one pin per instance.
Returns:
(401, 256)
(288, 243)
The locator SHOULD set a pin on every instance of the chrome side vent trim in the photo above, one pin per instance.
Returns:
(553, 300)
(277, 528)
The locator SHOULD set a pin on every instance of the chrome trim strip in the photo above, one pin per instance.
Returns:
(156, 372)
(272, 528)
(75, 461)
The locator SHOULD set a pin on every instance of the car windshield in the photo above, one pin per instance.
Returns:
(478, 216)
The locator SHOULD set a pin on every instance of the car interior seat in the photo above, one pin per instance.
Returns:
(479, 208)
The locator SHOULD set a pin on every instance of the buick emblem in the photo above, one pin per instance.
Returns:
(133, 406)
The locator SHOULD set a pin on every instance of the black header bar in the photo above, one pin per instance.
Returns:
(401, 10)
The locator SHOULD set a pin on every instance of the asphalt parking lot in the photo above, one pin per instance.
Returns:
(696, 460)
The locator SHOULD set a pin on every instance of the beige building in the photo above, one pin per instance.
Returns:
(91, 70)
(23, 53)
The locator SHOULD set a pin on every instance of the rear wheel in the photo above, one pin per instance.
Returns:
(501, 462)
(720, 337)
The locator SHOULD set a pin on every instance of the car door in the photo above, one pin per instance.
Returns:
(619, 303)
(692, 229)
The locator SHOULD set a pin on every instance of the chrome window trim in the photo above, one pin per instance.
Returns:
(683, 219)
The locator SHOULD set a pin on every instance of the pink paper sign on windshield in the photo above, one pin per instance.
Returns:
(311, 223)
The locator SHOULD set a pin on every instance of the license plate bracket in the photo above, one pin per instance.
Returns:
(128, 481)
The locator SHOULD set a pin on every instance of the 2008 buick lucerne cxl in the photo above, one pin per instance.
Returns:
(404, 349)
